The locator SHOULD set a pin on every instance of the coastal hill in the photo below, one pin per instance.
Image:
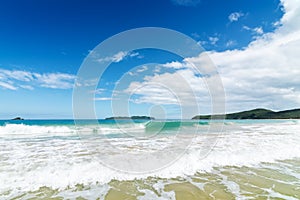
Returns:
(259, 113)
(132, 117)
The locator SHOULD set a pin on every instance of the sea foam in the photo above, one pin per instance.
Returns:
(27, 165)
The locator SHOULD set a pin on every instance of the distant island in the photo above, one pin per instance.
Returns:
(132, 117)
(17, 118)
(258, 113)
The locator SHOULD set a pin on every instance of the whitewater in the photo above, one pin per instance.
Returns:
(248, 159)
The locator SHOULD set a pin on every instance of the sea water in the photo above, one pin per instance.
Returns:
(58, 159)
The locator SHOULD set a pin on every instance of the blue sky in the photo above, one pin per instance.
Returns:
(43, 44)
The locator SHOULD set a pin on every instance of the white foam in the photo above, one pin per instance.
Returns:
(275, 195)
(22, 130)
(29, 165)
(10, 130)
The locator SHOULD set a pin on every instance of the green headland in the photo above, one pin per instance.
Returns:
(259, 113)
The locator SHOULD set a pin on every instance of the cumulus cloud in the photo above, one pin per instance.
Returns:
(14, 79)
(184, 87)
(263, 74)
(235, 16)
(159, 89)
(174, 65)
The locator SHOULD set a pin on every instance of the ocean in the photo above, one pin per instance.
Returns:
(146, 160)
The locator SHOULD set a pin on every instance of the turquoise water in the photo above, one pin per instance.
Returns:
(44, 122)
(172, 159)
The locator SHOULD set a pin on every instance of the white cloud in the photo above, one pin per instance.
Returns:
(174, 65)
(235, 16)
(142, 69)
(118, 57)
(263, 74)
(14, 79)
(231, 43)
(213, 40)
(257, 30)
(136, 72)
(157, 69)
(86, 82)
(132, 74)
(17, 74)
(55, 80)
(28, 87)
(98, 91)
(102, 99)
(8, 86)
(134, 54)
(266, 72)
(202, 42)
(182, 87)
(115, 58)
(247, 28)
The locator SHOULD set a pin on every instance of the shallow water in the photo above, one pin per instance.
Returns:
(249, 160)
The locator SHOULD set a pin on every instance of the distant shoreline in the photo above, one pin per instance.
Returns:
(259, 113)
(132, 117)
